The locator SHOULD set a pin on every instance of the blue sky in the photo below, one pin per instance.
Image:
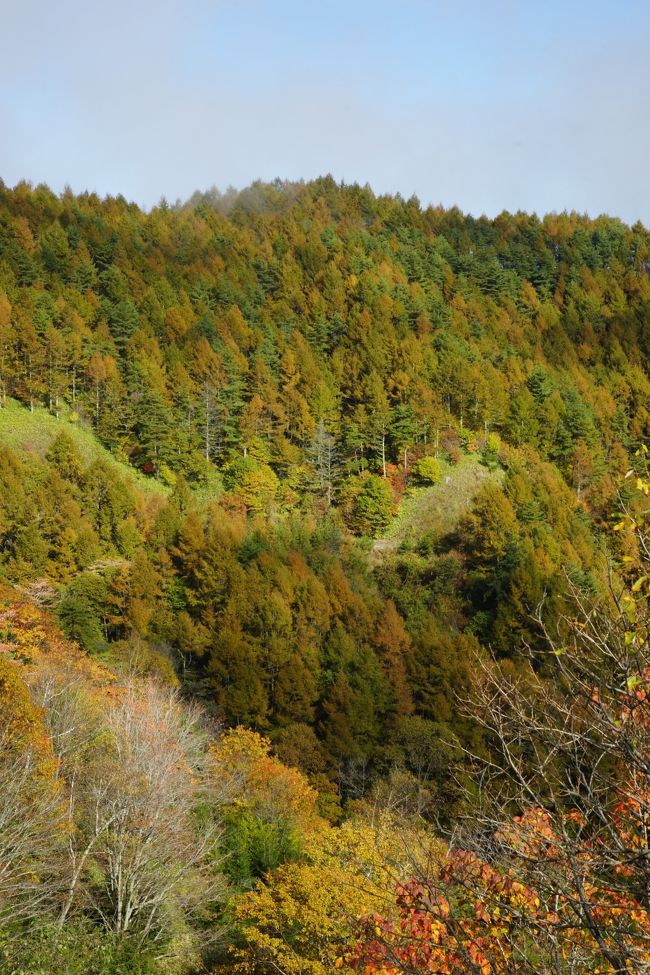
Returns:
(535, 105)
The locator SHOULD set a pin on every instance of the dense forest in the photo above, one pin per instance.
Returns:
(311, 503)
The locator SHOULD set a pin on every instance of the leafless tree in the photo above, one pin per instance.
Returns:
(564, 799)
(324, 458)
(31, 839)
(141, 809)
(158, 864)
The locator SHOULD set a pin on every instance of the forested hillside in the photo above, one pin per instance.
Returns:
(289, 468)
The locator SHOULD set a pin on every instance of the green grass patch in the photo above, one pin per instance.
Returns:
(29, 432)
(436, 509)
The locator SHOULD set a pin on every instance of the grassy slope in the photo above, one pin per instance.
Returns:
(32, 433)
(422, 510)
(437, 508)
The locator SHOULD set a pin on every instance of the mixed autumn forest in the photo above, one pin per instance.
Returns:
(323, 606)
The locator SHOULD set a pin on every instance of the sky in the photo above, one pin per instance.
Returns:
(534, 105)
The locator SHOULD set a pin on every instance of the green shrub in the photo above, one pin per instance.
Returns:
(254, 846)
(80, 949)
(428, 470)
(373, 508)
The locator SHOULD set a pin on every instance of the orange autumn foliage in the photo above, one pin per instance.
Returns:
(262, 784)
(29, 637)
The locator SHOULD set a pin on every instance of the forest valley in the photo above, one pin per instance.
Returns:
(324, 564)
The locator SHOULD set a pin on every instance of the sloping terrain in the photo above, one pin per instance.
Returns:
(33, 431)
(434, 511)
